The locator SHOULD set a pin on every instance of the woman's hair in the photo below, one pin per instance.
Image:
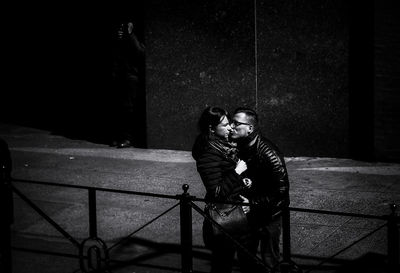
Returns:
(211, 117)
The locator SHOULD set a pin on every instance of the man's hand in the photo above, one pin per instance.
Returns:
(125, 30)
(247, 182)
(246, 209)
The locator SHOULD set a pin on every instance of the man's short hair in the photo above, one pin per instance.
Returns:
(250, 113)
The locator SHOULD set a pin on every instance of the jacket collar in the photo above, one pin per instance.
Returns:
(248, 141)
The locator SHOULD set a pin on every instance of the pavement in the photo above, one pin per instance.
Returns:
(333, 184)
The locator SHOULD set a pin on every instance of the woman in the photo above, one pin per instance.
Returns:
(220, 170)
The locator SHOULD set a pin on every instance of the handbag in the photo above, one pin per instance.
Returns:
(230, 217)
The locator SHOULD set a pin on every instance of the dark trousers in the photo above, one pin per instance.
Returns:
(223, 253)
(222, 250)
(126, 118)
(268, 238)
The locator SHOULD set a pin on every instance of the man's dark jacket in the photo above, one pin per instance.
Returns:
(269, 192)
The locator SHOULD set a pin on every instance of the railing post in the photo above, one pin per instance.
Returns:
(393, 239)
(7, 214)
(92, 214)
(97, 256)
(186, 231)
(286, 247)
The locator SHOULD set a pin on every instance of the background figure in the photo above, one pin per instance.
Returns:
(128, 55)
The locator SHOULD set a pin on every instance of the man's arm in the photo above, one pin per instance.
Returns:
(139, 47)
(271, 159)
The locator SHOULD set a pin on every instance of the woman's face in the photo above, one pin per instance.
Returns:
(223, 129)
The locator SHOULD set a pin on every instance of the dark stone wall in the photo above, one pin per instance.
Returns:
(198, 53)
(303, 75)
(387, 80)
(323, 74)
(57, 67)
(202, 53)
(361, 81)
(325, 84)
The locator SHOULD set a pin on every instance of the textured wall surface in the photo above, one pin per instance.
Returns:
(303, 75)
(323, 74)
(387, 81)
(203, 53)
(199, 53)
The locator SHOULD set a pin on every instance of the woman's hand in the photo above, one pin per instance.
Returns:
(241, 166)
(246, 209)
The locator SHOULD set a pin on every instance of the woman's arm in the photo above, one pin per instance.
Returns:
(219, 176)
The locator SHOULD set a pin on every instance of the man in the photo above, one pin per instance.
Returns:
(269, 193)
(128, 55)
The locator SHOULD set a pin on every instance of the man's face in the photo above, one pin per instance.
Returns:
(241, 127)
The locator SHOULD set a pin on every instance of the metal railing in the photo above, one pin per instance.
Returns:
(94, 254)
(391, 222)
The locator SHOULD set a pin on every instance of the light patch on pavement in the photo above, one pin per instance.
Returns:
(378, 170)
(171, 156)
